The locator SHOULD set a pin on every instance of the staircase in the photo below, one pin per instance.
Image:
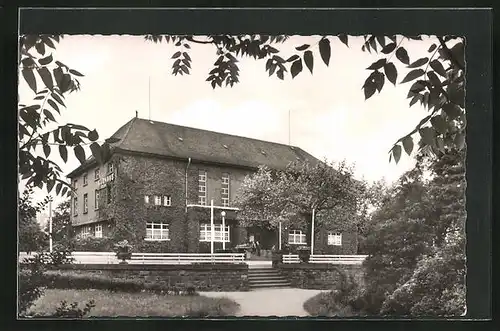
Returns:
(266, 278)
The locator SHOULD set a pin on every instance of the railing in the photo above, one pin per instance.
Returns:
(291, 258)
(186, 258)
(337, 259)
(151, 258)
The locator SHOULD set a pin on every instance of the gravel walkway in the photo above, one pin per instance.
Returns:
(269, 302)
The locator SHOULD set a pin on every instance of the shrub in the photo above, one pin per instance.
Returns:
(91, 244)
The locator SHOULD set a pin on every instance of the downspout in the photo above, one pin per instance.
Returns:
(187, 167)
(186, 228)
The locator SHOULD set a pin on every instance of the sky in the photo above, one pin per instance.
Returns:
(329, 117)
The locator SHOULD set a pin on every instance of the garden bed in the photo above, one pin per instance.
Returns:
(114, 304)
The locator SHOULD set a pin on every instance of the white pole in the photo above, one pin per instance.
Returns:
(279, 236)
(212, 226)
(223, 231)
(312, 233)
(50, 226)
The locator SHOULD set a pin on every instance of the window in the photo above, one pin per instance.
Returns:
(85, 179)
(85, 232)
(85, 203)
(202, 187)
(220, 235)
(97, 174)
(335, 238)
(146, 199)
(75, 206)
(157, 200)
(98, 230)
(167, 200)
(110, 167)
(75, 184)
(96, 199)
(225, 190)
(157, 231)
(109, 194)
(296, 237)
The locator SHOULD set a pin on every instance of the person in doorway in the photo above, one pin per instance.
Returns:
(257, 247)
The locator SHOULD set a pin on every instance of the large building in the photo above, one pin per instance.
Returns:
(157, 189)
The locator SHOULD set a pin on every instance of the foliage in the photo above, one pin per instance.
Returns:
(30, 235)
(50, 81)
(92, 244)
(123, 247)
(439, 79)
(62, 230)
(291, 194)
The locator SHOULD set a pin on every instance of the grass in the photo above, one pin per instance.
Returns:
(113, 304)
(323, 305)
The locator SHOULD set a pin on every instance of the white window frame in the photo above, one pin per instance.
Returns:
(98, 231)
(334, 238)
(97, 174)
(202, 187)
(225, 189)
(96, 199)
(157, 200)
(152, 230)
(146, 199)
(297, 237)
(86, 231)
(219, 234)
(85, 203)
(75, 206)
(167, 200)
(85, 179)
(111, 168)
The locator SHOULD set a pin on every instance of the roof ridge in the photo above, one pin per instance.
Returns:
(227, 134)
(127, 131)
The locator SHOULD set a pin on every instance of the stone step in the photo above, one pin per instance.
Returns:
(259, 277)
(268, 281)
(267, 271)
(270, 285)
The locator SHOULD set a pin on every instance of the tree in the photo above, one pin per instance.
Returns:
(62, 230)
(31, 238)
(439, 79)
(272, 196)
(50, 81)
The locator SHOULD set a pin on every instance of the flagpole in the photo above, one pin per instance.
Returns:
(50, 225)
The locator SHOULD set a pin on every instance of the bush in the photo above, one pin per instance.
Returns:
(91, 244)
(68, 280)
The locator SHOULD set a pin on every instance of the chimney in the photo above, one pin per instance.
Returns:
(136, 114)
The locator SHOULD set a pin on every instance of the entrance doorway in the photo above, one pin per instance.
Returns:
(264, 240)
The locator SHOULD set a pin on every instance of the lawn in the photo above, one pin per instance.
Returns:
(146, 304)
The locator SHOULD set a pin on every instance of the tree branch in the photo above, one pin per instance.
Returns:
(191, 39)
(450, 54)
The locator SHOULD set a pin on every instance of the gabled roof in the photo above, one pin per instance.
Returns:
(180, 142)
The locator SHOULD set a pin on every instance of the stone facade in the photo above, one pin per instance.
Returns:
(318, 276)
(210, 277)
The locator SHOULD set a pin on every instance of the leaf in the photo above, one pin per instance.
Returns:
(415, 99)
(76, 73)
(53, 105)
(63, 152)
(325, 50)
(309, 60)
(187, 57)
(408, 144)
(369, 89)
(458, 53)
(46, 77)
(417, 87)
(296, 68)
(269, 62)
(389, 48)
(40, 48)
(460, 140)
(46, 60)
(377, 64)
(427, 135)
(402, 55)
(46, 150)
(439, 123)
(379, 80)
(414, 74)
(112, 140)
(452, 110)
(437, 66)
(391, 72)
(93, 135)
(343, 38)
(58, 188)
(419, 63)
(434, 79)
(50, 185)
(79, 153)
(396, 152)
(279, 73)
(303, 47)
(96, 152)
(291, 58)
(176, 55)
(432, 48)
(57, 98)
(29, 77)
(49, 115)
(381, 40)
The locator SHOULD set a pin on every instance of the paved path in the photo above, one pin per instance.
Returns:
(269, 302)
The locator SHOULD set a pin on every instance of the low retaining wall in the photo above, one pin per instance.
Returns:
(204, 277)
(318, 276)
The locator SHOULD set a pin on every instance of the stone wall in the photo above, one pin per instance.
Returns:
(204, 277)
(318, 276)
